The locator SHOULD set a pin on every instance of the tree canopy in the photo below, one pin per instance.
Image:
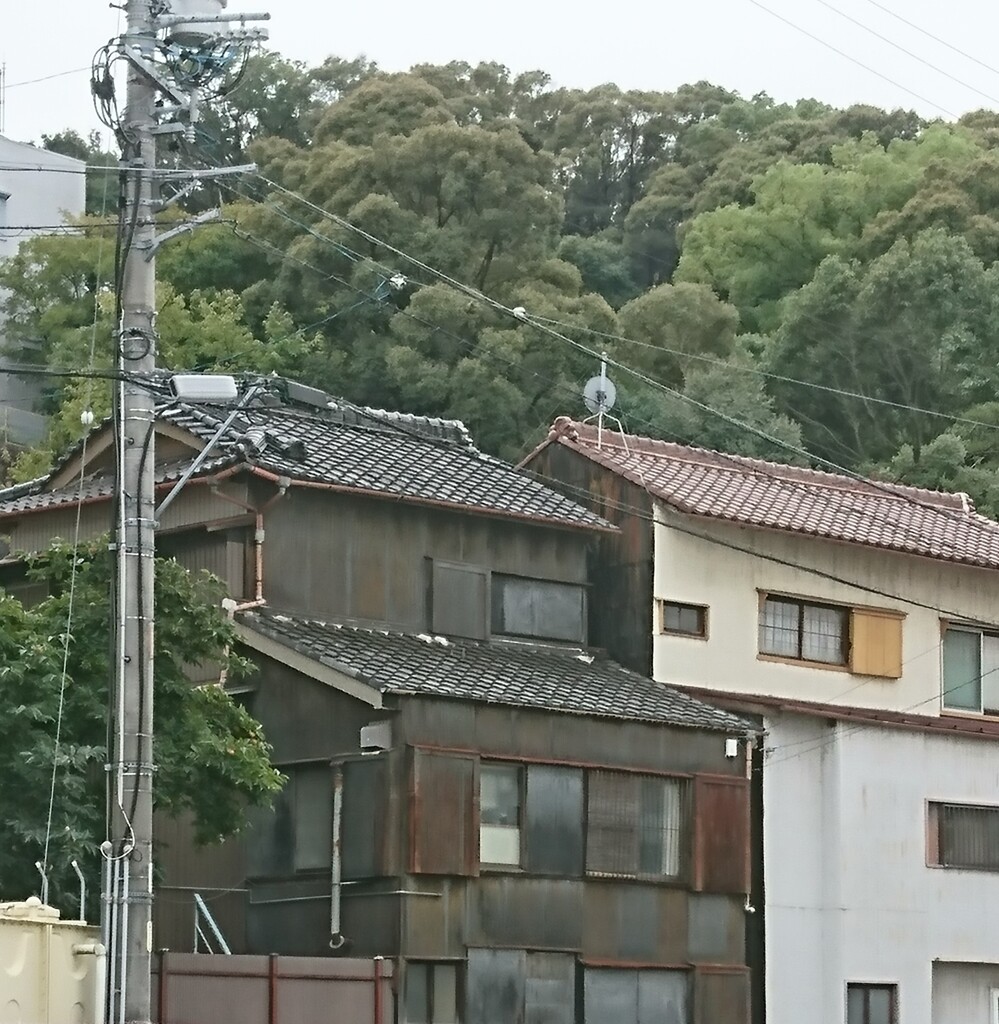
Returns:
(213, 761)
(824, 275)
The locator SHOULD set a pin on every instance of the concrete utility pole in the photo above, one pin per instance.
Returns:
(132, 815)
(199, 43)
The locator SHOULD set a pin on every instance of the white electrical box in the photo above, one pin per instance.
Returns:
(195, 33)
(376, 737)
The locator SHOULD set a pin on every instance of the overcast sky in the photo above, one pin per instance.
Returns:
(635, 43)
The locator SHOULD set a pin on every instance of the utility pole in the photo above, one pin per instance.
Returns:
(155, 66)
(132, 813)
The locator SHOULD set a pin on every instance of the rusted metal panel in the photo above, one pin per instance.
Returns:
(365, 818)
(341, 556)
(721, 996)
(625, 921)
(443, 815)
(494, 986)
(716, 929)
(526, 734)
(553, 821)
(517, 910)
(371, 914)
(721, 835)
(189, 989)
(434, 925)
(636, 997)
(550, 989)
(622, 567)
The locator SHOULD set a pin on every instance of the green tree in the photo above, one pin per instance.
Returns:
(102, 185)
(212, 757)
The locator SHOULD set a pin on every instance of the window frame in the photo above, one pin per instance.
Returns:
(934, 843)
(497, 579)
(511, 767)
(635, 836)
(429, 1010)
(981, 631)
(700, 609)
(867, 988)
(802, 604)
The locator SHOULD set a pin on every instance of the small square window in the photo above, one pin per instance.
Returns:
(684, 619)
(871, 1004)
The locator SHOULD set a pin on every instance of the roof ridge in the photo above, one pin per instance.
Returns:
(729, 462)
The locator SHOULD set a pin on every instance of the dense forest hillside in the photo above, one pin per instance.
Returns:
(807, 283)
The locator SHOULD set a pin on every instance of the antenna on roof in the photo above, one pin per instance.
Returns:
(599, 396)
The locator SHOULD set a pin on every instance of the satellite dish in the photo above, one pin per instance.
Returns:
(599, 395)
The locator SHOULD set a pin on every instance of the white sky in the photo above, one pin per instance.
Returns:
(635, 43)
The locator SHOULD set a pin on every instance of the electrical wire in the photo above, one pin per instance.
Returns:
(852, 60)
(909, 53)
(47, 78)
(935, 38)
(980, 525)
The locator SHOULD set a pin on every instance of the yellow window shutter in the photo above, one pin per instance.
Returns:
(876, 643)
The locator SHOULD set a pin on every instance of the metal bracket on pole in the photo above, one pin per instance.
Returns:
(172, 174)
(169, 20)
(141, 63)
(181, 229)
(40, 867)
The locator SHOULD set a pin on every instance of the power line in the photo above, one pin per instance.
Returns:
(853, 60)
(746, 368)
(47, 78)
(907, 52)
(521, 316)
(936, 39)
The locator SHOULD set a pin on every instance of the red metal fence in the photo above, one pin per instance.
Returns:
(193, 988)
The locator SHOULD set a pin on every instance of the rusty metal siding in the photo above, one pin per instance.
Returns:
(625, 921)
(716, 929)
(443, 813)
(636, 997)
(621, 565)
(340, 556)
(528, 735)
(553, 821)
(365, 818)
(721, 835)
(721, 997)
(494, 986)
(550, 989)
(459, 600)
(515, 910)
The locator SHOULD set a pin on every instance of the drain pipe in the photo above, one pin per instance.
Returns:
(337, 938)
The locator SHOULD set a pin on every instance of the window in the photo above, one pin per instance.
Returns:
(866, 640)
(871, 1004)
(516, 985)
(432, 993)
(499, 814)
(963, 836)
(803, 631)
(635, 825)
(684, 619)
(538, 608)
(971, 671)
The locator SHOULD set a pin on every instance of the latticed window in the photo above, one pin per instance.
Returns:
(635, 825)
(804, 631)
(964, 836)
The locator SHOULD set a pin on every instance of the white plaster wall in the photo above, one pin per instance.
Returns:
(697, 571)
(42, 195)
(849, 894)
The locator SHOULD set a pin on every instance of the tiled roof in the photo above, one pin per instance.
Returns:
(33, 496)
(519, 675)
(414, 458)
(780, 497)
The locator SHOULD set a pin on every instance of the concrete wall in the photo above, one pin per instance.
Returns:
(697, 571)
(850, 897)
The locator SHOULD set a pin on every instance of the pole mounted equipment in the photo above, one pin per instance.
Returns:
(177, 49)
